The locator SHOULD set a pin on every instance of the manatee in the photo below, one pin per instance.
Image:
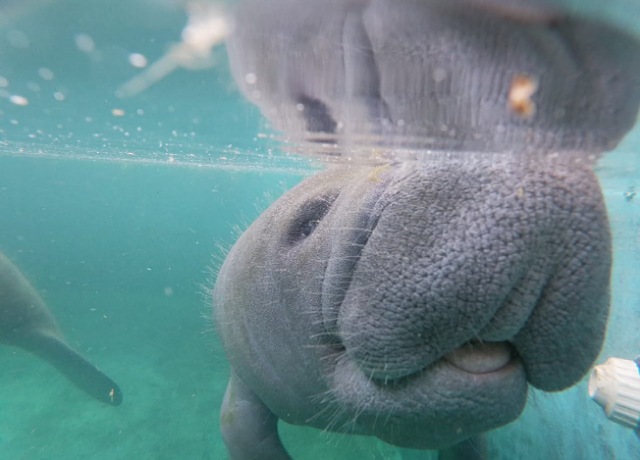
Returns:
(414, 302)
(26, 322)
(417, 301)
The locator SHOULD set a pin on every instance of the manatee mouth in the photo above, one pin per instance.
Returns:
(481, 358)
(473, 359)
(473, 388)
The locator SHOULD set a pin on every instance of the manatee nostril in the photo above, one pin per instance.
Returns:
(309, 217)
(308, 227)
(316, 115)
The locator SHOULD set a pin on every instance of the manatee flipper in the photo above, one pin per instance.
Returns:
(72, 365)
(474, 448)
(249, 428)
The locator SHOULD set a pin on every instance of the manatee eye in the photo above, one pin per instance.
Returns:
(309, 217)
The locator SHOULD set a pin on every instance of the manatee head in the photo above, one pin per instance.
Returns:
(417, 301)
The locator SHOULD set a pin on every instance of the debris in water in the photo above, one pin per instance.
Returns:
(523, 87)
(207, 27)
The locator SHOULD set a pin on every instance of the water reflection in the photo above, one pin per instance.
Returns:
(467, 75)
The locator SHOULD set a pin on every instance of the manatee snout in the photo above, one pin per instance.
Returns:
(479, 264)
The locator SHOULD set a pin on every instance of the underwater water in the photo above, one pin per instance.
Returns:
(120, 210)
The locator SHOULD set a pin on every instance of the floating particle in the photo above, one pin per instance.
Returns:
(630, 194)
(3, 82)
(138, 60)
(18, 100)
(523, 87)
(85, 43)
(251, 78)
(59, 96)
(18, 39)
(117, 112)
(45, 74)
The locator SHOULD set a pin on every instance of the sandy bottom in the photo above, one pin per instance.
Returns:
(166, 358)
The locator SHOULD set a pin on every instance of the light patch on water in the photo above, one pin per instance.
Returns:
(85, 43)
(18, 39)
(138, 60)
(45, 73)
(18, 100)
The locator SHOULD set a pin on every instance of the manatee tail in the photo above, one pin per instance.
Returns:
(77, 369)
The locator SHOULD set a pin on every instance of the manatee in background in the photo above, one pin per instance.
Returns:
(416, 301)
(26, 322)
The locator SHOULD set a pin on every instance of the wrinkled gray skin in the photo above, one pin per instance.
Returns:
(340, 306)
(416, 301)
(26, 322)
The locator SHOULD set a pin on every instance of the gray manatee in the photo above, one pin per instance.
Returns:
(416, 301)
(26, 322)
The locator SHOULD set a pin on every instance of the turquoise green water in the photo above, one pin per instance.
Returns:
(117, 219)
(121, 254)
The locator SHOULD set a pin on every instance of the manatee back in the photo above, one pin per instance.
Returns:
(26, 322)
(22, 310)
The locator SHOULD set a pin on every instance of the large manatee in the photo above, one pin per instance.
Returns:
(416, 301)
(413, 302)
(26, 322)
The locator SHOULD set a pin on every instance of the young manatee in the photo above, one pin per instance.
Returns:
(414, 302)
(26, 322)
